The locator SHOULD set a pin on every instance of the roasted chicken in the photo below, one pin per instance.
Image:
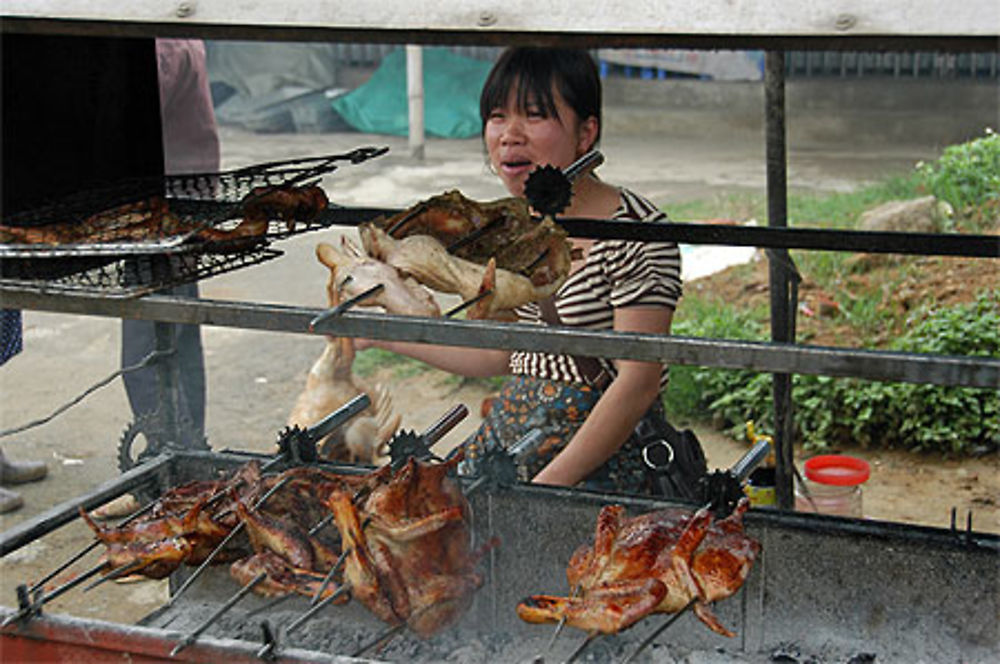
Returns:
(652, 563)
(150, 220)
(353, 273)
(330, 384)
(502, 230)
(411, 563)
(287, 203)
(426, 260)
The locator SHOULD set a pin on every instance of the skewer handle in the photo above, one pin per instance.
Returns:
(448, 421)
(749, 461)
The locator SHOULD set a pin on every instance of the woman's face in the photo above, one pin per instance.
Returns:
(519, 141)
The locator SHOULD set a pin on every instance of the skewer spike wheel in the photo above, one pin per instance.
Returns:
(548, 190)
(146, 437)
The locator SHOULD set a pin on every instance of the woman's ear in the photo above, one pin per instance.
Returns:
(587, 135)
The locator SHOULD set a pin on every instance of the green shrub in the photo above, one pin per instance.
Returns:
(835, 412)
(967, 175)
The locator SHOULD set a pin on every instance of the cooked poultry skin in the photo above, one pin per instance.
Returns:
(652, 563)
(411, 563)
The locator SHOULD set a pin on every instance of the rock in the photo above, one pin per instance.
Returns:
(919, 215)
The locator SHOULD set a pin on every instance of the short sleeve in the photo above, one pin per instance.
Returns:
(644, 274)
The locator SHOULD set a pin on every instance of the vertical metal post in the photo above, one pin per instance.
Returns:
(415, 98)
(168, 381)
(777, 216)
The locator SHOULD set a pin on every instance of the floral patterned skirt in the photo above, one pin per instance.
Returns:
(557, 409)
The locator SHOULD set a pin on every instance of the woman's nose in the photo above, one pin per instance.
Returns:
(513, 131)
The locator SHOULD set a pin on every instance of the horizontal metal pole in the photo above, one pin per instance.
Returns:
(500, 38)
(759, 356)
(819, 239)
(926, 244)
(28, 531)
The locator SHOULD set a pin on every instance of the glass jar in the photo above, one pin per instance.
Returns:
(834, 484)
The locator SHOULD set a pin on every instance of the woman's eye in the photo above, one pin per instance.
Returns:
(534, 112)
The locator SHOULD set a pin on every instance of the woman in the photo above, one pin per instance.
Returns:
(543, 107)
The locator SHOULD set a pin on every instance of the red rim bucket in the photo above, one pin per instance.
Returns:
(837, 469)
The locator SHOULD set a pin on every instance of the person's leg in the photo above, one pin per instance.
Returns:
(138, 340)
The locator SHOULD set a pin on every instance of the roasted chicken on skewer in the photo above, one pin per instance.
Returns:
(502, 229)
(330, 384)
(411, 564)
(151, 219)
(428, 261)
(652, 563)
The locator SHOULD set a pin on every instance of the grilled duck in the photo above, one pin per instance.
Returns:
(281, 577)
(287, 203)
(411, 564)
(426, 260)
(151, 219)
(330, 384)
(155, 548)
(352, 273)
(502, 230)
(652, 563)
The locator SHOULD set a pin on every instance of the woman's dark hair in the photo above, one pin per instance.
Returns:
(534, 70)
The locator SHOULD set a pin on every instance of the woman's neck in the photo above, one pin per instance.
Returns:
(593, 198)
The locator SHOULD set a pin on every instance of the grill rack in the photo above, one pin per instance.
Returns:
(201, 200)
(131, 276)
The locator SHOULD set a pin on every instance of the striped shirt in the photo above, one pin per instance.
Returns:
(616, 273)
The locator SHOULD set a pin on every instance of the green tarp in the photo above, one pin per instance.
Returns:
(451, 96)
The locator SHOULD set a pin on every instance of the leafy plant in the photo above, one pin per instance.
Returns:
(967, 175)
(834, 412)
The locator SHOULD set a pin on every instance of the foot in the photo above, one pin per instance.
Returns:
(9, 501)
(123, 505)
(18, 472)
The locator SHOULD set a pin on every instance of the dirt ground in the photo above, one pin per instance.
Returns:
(254, 377)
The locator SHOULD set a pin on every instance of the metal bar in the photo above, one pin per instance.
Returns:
(659, 630)
(87, 549)
(778, 271)
(230, 603)
(232, 533)
(329, 575)
(966, 371)
(819, 239)
(28, 531)
(316, 608)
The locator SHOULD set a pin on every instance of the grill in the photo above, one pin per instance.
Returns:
(163, 260)
(824, 587)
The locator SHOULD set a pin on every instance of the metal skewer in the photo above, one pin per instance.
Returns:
(418, 209)
(344, 306)
(240, 594)
(388, 634)
(468, 303)
(48, 597)
(301, 620)
(329, 575)
(533, 264)
(659, 630)
(87, 549)
(238, 528)
(117, 574)
(583, 646)
(474, 235)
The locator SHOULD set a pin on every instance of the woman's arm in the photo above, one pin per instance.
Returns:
(619, 409)
(462, 360)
